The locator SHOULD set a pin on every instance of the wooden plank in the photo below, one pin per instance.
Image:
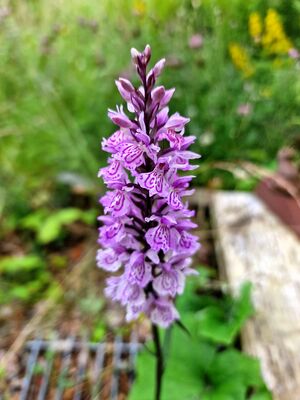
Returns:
(253, 245)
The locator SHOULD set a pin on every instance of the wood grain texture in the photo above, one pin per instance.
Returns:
(253, 245)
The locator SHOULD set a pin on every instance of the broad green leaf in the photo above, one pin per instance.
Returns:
(68, 215)
(231, 364)
(231, 390)
(213, 325)
(182, 379)
(222, 321)
(264, 394)
(195, 295)
(232, 373)
(195, 370)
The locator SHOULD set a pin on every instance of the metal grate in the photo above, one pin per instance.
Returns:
(70, 369)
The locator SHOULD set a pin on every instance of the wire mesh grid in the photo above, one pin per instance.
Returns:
(71, 369)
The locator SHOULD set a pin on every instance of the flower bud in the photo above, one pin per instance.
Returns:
(158, 94)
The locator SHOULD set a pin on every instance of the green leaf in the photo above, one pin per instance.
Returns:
(232, 373)
(48, 226)
(221, 322)
(231, 364)
(27, 291)
(89, 216)
(263, 394)
(50, 231)
(34, 220)
(52, 227)
(20, 293)
(195, 370)
(99, 332)
(14, 264)
(191, 300)
(212, 324)
(232, 390)
(182, 379)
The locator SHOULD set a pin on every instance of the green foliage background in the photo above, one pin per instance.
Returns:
(59, 59)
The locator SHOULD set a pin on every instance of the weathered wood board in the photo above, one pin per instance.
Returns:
(253, 245)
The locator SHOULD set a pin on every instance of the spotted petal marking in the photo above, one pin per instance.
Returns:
(166, 283)
(108, 260)
(137, 272)
(132, 294)
(188, 242)
(175, 139)
(112, 142)
(163, 313)
(159, 238)
(153, 181)
(113, 173)
(131, 154)
(113, 230)
(119, 204)
(174, 200)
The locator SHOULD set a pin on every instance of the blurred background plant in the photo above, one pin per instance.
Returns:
(234, 64)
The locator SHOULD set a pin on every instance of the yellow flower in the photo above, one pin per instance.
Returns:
(240, 59)
(139, 7)
(255, 26)
(266, 92)
(274, 39)
(277, 63)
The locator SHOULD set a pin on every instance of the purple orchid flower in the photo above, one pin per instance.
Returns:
(145, 234)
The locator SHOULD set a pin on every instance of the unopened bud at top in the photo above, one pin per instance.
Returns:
(134, 55)
(147, 53)
(158, 94)
(158, 67)
(126, 85)
(141, 58)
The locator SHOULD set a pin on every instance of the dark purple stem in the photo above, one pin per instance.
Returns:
(159, 362)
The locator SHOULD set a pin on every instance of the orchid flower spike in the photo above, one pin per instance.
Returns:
(145, 237)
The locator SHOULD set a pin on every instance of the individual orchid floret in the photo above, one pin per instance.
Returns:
(155, 181)
(162, 311)
(138, 270)
(170, 281)
(111, 259)
(145, 237)
(164, 236)
(121, 135)
(121, 119)
(113, 173)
